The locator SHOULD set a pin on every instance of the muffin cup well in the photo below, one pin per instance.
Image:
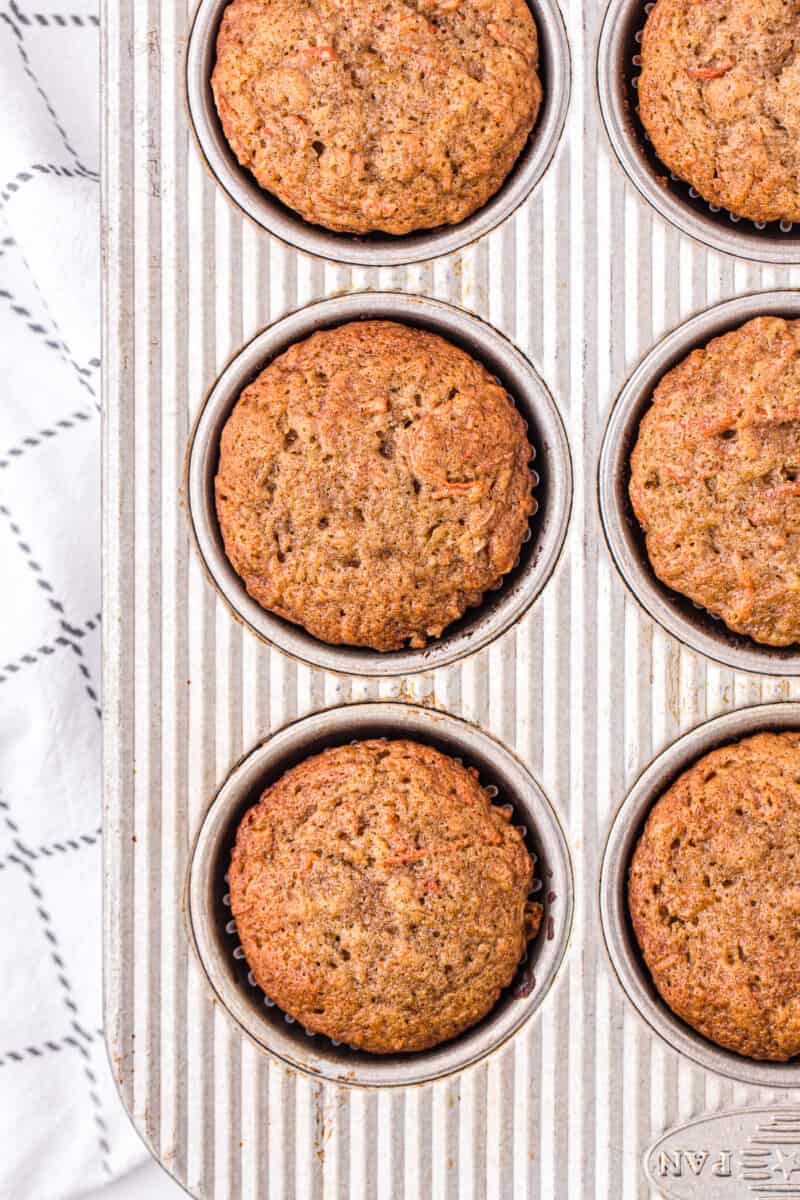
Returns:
(222, 960)
(618, 68)
(677, 614)
(620, 939)
(552, 492)
(377, 249)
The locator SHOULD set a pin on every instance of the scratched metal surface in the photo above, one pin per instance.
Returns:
(584, 278)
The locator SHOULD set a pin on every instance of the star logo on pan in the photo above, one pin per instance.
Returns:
(743, 1154)
(786, 1164)
(772, 1157)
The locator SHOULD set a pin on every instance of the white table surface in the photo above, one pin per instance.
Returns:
(150, 1182)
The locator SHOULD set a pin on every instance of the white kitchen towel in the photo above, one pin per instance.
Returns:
(62, 1128)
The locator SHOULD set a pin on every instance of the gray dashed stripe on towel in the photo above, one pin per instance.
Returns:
(50, 1046)
(58, 344)
(41, 870)
(81, 1035)
(34, 440)
(38, 169)
(9, 669)
(57, 20)
(60, 347)
(29, 71)
(73, 631)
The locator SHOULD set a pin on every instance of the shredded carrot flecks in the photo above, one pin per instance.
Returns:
(410, 856)
(676, 476)
(498, 34)
(747, 588)
(296, 125)
(310, 54)
(309, 863)
(706, 427)
(446, 488)
(763, 510)
(492, 837)
(776, 416)
(710, 72)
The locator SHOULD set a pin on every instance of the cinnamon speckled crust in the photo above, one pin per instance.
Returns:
(715, 479)
(719, 95)
(380, 897)
(714, 896)
(373, 483)
(389, 115)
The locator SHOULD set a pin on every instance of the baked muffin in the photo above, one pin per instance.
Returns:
(379, 896)
(715, 479)
(719, 96)
(389, 115)
(714, 896)
(373, 483)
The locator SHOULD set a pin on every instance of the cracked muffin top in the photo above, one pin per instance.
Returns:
(373, 483)
(380, 897)
(714, 896)
(719, 96)
(715, 479)
(378, 115)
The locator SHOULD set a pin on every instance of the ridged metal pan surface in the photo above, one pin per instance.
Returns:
(585, 688)
(216, 944)
(685, 620)
(617, 929)
(551, 463)
(378, 250)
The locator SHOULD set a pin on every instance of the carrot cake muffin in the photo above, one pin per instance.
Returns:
(715, 479)
(714, 895)
(389, 115)
(373, 483)
(379, 896)
(719, 96)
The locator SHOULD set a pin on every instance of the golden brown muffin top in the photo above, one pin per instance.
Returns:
(389, 115)
(380, 897)
(715, 479)
(373, 483)
(719, 96)
(714, 895)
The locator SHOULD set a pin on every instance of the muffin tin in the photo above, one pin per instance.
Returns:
(617, 79)
(680, 616)
(209, 917)
(618, 932)
(554, 1095)
(377, 249)
(551, 464)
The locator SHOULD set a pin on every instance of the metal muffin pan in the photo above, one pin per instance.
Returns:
(377, 249)
(617, 80)
(208, 916)
(620, 940)
(584, 278)
(691, 624)
(553, 491)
